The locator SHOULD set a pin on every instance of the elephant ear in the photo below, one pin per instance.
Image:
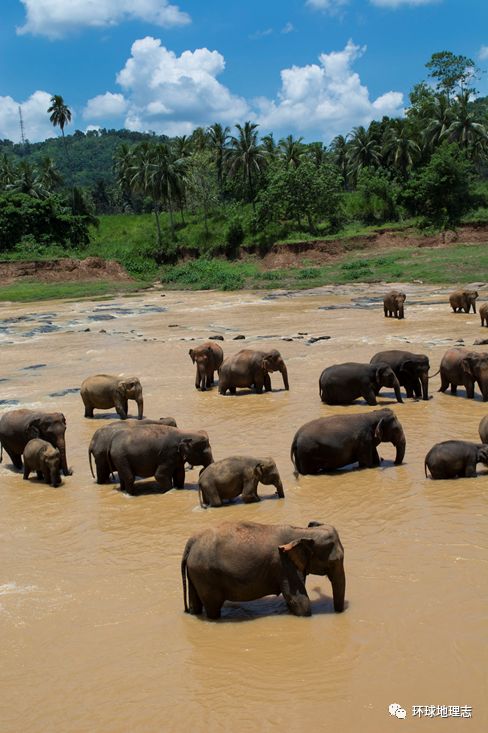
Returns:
(299, 552)
(192, 355)
(378, 433)
(380, 372)
(467, 365)
(184, 447)
(129, 384)
(34, 429)
(259, 471)
(314, 523)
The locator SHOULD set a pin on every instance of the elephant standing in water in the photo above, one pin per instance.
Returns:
(41, 457)
(484, 314)
(208, 357)
(393, 304)
(17, 427)
(332, 442)
(243, 561)
(236, 475)
(462, 366)
(159, 451)
(251, 368)
(455, 458)
(483, 429)
(100, 443)
(411, 370)
(341, 384)
(463, 300)
(103, 391)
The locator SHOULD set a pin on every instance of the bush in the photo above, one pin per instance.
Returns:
(234, 237)
(206, 274)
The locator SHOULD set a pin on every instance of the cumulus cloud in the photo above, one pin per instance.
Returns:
(34, 115)
(174, 94)
(288, 28)
(483, 53)
(328, 6)
(56, 18)
(394, 4)
(105, 105)
(327, 97)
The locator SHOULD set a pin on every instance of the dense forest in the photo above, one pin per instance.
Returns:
(241, 184)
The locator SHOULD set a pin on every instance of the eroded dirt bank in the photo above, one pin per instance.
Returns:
(66, 269)
(92, 627)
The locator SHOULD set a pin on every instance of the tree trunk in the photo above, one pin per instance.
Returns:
(158, 225)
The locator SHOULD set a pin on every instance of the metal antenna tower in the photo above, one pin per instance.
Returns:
(22, 135)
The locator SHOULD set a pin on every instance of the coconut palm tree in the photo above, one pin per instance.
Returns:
(27, 181)
(399, 148)
(48, 174)
(60, 113)
(291, 151)
(246, 156)
(123, 167)
(439, 123)
(464, 129)
(364, 150)
(269, 146)
(7, 171)
(218, 137)
(182, 146)
(340, 155)
(317, 153)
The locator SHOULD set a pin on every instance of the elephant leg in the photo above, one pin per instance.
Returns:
(26, 473)
(40, 475)
(417, 388)
(213, 603)
(267, 383)
(370, 396)
(178, 474)
(453, 388)
(210, 495)
(102, 471)
(164, 479)
(469, 390)
(367, 456)
(121, 408)
(126, 477)
(249, 491)
(15, 457)
(195, 605)
(232, 389)
(444, 383)
(470, 469)
(88, 411)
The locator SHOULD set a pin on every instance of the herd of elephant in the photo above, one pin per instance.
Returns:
(460, 301)
(243, 561)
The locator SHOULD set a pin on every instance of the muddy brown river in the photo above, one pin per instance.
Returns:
(92, 631)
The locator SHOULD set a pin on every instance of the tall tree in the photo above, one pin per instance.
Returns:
(365, 151)
(465, 129)
(340, 155)
(439, 123)
(218, 137)
(452, 72)
(399, 147)
(48, 174)
(247, 156)
(292, 150)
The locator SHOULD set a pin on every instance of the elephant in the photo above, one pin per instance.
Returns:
(42, 457)
(411, 370)
(483, 429)
(462, 366)
(393, 304)
(243, 561)
(17, 427)
(341, 384)
(104, 391)
(208, 358)
(102, 438)
(236, 475)
(159, 451)
(462, 299)
(250, 368)
(484, 314)
(454, 458)
(332, 442)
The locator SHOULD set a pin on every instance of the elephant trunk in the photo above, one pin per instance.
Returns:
(284, 374)
(61, 445)
(337, 578)
(279, 489)
(140, 408)
(207, 457)
(424, 381)
(55, 477)
(396, 387)
(400, 445)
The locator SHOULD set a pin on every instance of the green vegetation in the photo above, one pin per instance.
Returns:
(33, 291)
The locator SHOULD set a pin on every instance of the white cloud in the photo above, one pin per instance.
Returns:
(329, 6)
(56, 18)
(37, 125)
(174, 94)
(105, 105)
(261, 34)
(327, 97)
(483, 53)
(288, 28)
(394, 4)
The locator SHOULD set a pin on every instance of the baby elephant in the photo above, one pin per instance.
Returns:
(103, 391)
(393, 304)
(237, 475)
(484, 314)
(42, 457)
(454, 458)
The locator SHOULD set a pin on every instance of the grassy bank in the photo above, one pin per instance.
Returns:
(457, 263)
(32, 291)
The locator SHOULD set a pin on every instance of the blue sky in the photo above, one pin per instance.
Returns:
(314, 68)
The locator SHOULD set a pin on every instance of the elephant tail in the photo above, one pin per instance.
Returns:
(90, 459)
(1, 452)
(293, 456)
(435, 375)
(184, 561)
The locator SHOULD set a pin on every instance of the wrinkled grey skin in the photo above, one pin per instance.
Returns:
(483, 429)
(17, 427)
(411, 370)
(226, 479)
(102, 438)
(462, 366)
(251, 368)
(463, 300)
(208, 358)
(341, 384)
(243, 561)
(159, 451)
(41, 457)
(484, 314)
(393, 304)
(104, 391)
(332, 442)
(455, 458)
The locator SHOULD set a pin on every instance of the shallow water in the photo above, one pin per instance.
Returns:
(92, 629)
